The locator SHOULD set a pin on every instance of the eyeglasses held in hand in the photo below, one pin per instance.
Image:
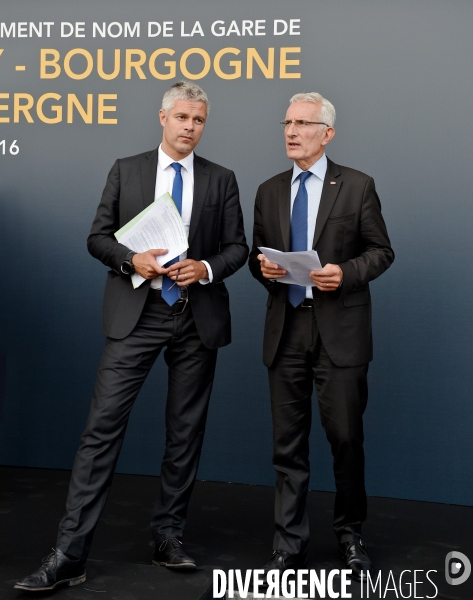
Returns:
(181, 304)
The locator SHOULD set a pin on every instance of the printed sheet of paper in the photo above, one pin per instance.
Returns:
(157, 226)
(297, 264)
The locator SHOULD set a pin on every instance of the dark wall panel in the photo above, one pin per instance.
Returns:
(399, 76)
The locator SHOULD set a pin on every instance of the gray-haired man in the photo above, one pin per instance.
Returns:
(321, 333)
(189, 320)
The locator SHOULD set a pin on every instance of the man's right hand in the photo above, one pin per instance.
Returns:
(145, 263)
(269, 269)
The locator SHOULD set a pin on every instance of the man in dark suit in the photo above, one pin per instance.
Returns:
(182, 308)
(321, 333)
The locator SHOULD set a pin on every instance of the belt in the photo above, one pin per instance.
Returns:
(180, 304)
(155, 295)
(306, 303)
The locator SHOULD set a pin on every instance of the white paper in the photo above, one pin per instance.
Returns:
(297, 264)
(157, 226)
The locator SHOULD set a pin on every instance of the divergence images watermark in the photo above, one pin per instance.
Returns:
(457, 568)
(306, 583)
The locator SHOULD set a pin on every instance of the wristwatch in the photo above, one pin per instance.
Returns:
(128, 268)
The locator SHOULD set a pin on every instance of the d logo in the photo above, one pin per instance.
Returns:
(455, 562)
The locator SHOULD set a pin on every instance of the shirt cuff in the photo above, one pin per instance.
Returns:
(209, 271)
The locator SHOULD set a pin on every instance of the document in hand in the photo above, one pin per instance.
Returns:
(297, 264)
(157, 226)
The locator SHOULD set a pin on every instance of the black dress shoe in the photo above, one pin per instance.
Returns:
(170, 554)
(57, 569)
(356, 558)
(282, 560)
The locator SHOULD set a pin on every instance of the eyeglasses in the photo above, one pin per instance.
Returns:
(301, 124)
(181, 304)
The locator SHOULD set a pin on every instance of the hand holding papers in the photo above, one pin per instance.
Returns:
(157, 226)
(297, 265)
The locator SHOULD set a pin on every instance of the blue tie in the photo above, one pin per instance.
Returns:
(172, 295)
(296, 293)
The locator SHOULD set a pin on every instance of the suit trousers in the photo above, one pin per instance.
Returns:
(342, 394)
(123, 369)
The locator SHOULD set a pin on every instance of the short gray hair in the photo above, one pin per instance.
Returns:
(184, 90)
(327, 109)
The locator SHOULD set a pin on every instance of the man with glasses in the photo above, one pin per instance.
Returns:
(182, 308)
(321, 333)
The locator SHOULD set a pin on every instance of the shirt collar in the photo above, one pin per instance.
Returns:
(165, 161)
(318, 169)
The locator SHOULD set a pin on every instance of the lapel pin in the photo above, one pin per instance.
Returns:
(333, 183)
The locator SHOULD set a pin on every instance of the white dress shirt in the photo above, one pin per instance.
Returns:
(313, 186)
(164, 181)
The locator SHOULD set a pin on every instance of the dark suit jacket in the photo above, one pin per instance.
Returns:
(216, 235)
(349, 232)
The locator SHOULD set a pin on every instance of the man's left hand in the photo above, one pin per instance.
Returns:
(188, 271)
(327, 279)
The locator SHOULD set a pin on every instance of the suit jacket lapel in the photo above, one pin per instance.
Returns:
(201, 184)
(327, 200)
(284, 207)
(148, 177)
